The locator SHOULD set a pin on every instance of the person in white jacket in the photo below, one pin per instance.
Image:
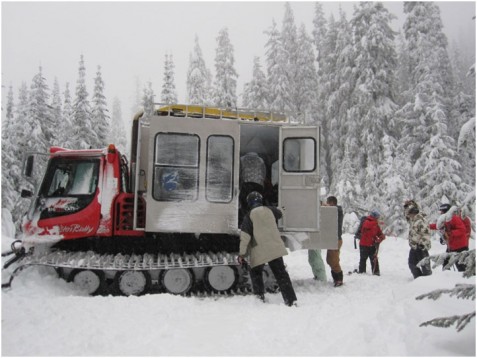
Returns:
(260, 239)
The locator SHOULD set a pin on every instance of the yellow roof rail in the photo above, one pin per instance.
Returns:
(196, 111)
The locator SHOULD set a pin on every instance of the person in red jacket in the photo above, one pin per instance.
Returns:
(371, 237)
(454, 229)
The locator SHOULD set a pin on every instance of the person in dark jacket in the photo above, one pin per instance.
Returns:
(419, 239)
(371, 237)
(454, 230)
(333, 256)
(260, 239)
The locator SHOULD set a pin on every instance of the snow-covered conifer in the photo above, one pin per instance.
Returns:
(66, 130)
(198, 77)
(225, 85)
(117, 133)
(100, 116)
(42, 134)
(277, 78)
(168, 94)
(83, 136)
(56, 111)
(255, 92)
(148, 100)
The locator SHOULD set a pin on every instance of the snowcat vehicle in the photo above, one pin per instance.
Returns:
(169, 218)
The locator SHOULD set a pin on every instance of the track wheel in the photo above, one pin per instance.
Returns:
(177, 281)
(132, 282)
(221, 278)
(89, 281)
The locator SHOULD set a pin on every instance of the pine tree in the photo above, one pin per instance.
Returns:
(40, 117)
(117, 133)
(277, 78)
(168, 94)
(83, 136)
(136, 107)
(306, 77)
(65, 127)
(198, 78)
(425, 117)
(225, 85)
(148, 100)
(100, 117)
(9, 195)
(291, 54)
(255, 92)
(56, 111)
(373, 96)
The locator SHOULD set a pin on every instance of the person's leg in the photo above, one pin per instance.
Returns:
(283, 279)
(317, 265)
(256, 275)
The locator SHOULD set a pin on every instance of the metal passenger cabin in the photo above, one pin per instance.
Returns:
(186, 165)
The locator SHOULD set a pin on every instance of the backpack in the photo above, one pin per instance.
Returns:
(357, 234)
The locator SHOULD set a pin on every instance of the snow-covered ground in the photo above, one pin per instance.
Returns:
(368, 316)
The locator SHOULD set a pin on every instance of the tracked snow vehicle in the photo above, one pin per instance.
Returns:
(170, 219)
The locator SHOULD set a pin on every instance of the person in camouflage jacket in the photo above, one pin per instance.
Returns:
(419, 239)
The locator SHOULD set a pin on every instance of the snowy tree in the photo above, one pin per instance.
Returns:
(306, 78)
(372, 97)
(9, 195)
(136, 106)
(225, 85)
(65, 127)
(83, 136)
(198, 77)
(117, 133)
(168, 94)
(56, 111)
(100, 117)
(40, 118)
(277, 79)
(426, 135)
(255, 92)
(291, 54)
(148, 100)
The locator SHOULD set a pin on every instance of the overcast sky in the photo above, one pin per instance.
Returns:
(129, 39)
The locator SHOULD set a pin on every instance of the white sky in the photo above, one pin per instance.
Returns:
(129, 39)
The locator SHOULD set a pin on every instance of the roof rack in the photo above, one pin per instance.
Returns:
(196, 111)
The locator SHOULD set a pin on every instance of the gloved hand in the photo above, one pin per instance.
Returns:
(421, 247)
(241, 260)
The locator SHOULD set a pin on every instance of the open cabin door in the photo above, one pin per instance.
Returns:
(299, 178)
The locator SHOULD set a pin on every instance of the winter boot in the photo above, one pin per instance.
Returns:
(337, 278)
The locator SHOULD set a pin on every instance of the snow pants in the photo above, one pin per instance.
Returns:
(333, 258)
(365, 253)
(416, 255)
(317, 265)
(281, 275)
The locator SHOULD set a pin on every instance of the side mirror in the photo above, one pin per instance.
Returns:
(26, 193)
(28, 169)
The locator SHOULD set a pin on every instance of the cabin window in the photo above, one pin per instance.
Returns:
(69, 186)
(176, 167)
(299, 155)
(220, 162)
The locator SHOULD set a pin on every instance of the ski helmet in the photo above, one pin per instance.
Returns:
(444, 208)
(375, 214)
(254, 199)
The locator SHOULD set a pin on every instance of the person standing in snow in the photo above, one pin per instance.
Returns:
(317, 265)
(419, 239)
(333, 256)
(371, 237)
(454, 229)
(261, 241)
